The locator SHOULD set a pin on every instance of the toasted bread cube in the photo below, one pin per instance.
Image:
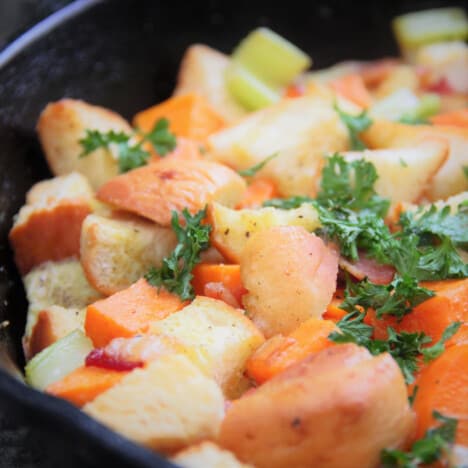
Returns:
(166, 406)
(203, 72)
(70, 186)
(56, 284)
(404, 174)
(207, 454)
(63, 123)
(48, 227)
(450, 179)
(224, 335)
(117, 252)
(154, 191)
(54, 323)
(301, 131)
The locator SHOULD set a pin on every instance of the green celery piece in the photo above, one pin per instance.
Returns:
(394, 106)
(58, 360)
(250, 91)
(429, 104)
(270, 57)
(424, 27)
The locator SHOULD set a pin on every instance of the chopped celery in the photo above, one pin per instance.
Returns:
(270, 57)
(58, 360)
(429, 104)
(437, 25)
(250, 91)
(404, 105)
(394, 106)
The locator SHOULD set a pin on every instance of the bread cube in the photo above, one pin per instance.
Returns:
(63, 124)
(203, 72)
(207, 454)
(165, 406)
(116, 252)
(224, 336)
(48, 227)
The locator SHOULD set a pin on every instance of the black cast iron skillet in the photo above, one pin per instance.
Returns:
(124, 55)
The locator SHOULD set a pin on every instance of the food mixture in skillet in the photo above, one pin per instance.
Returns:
(267, 269)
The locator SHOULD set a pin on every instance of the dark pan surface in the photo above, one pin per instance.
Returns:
(125, 55)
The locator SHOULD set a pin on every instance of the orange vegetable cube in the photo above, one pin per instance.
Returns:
(85, 384)
(189, 116)
(129, 312)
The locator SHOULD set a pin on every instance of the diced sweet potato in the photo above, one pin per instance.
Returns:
(128, 312)
(85, 384)
(189, 116)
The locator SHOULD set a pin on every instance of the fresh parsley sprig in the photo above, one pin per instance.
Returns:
(351, 214)
(130, 156)
(355, 124)
(251, 171)
(161, 137)
(397, 298)
(350, 184)
(406, 348)
(435, 445)
(175, 273)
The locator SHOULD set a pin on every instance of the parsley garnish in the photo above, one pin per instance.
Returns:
(351, 214)
(175, 274)
(354, 231)
(251, 171)
(433, 236)
(404, 347)
(413, 395)
(355, 124)
(161, 137)
(397, 298)
(130, 156)
(350, 184)
(435, 444)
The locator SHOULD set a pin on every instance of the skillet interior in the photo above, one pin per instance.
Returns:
(125, 55)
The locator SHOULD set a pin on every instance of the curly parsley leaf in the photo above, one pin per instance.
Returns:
(175, 273)
(355, 231)
(353, 330)
(405, 347)
(355, 124)
(161, 138)
(350, 184)
(397, 298)
(435, 234)
(430, 223)
(251, 171)
(434, 446)
(434, 351)
(130, 156)
(95, 139)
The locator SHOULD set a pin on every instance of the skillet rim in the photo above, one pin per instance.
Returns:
(38, 405)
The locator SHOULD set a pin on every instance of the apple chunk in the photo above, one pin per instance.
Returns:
(233, 228)
(405, 173)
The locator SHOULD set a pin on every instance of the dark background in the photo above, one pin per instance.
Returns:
(367, 34)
